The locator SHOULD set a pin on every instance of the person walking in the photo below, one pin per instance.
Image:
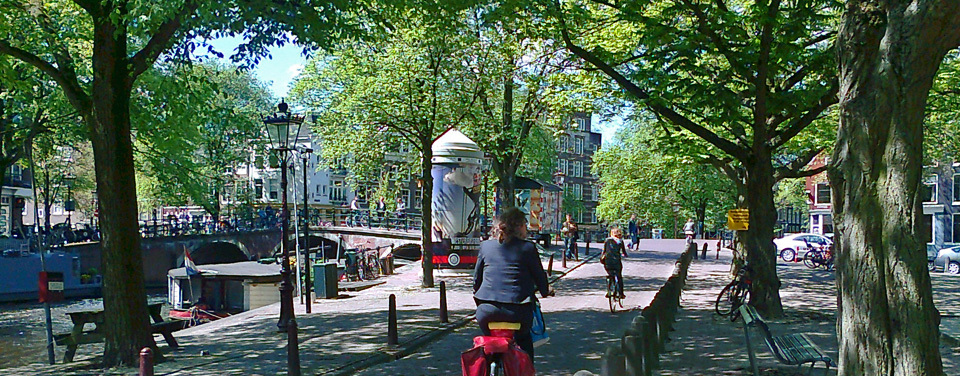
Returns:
(634, 229)
(571, 235)
(507, 275)
(612, 249)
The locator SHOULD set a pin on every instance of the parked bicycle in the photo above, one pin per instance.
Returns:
(818, 256)
(735, 294)
(369, 264)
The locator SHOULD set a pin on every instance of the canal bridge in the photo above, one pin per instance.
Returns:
(163, 247)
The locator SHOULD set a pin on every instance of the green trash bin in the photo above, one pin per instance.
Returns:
(325, 280)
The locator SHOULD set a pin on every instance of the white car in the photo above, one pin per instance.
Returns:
(791, 246)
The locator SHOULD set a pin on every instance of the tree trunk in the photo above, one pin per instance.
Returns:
(426, 208)
(701, 211)
(126, 325)
(758, 239)
(506, 187)
(889, 55)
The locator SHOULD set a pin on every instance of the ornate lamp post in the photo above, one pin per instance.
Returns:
(279, 126)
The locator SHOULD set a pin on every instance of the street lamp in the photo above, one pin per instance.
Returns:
(278, 127)
(68, 204)
(305, 157)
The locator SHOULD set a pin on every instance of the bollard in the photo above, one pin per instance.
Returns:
(565, 259)
(392, 337)
(613, 363)
(146, 362)
(443, 302)
(703, 253)
(587, 250)
(632, 344)
(550, 266)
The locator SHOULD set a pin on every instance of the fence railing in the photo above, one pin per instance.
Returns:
(369, 218)
(638, 352)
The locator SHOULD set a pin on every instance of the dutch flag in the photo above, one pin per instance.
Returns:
(188, 263)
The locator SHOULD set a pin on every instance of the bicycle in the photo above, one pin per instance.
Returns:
(817, 257)
(735, 294)
(612, 295)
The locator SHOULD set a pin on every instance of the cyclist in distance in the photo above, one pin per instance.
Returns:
(507, 275)
(612, 249)
(689, 229)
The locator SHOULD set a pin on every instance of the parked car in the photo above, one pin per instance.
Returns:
(791, 246)
(949, 258)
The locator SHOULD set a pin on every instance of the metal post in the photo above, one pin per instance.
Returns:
(41, 247)
(550, 266)
(753, 359)
(146, 362)
(392, 336)
(287, 321)
(306, 238)
(443, 303)
(565, 255)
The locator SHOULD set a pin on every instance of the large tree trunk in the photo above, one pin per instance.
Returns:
(506, 186)
(426, 207)
(126, 325)
(757, 241)
(889, 55)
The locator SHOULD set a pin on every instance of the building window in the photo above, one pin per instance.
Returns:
(926, 229)
(274, 190)
(564, 143)
(577, 192)
(956, 187)
(578, 145)
(559, 164)
(823, 193)
(338, 192)
(577, 169)
(258, 188)
(929, 189)
(956, 228)
(581, 124)
(565, 167)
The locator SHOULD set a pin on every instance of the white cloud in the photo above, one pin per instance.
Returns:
(295, 69)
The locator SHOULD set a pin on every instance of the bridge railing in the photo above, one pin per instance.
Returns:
(369, 218)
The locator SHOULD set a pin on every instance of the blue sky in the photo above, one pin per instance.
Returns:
(286, 62)
(277, 71)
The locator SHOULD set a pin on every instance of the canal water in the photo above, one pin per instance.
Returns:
(23, 336)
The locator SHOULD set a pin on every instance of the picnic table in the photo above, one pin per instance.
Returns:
(94, 314)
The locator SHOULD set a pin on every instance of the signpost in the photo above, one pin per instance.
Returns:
(738, 219)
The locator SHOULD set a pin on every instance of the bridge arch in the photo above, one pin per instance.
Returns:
(220, 252)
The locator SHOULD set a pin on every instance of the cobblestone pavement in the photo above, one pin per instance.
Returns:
(339, 335)
(707, 344)
(578, 319)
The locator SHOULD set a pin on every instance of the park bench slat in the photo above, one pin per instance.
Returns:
(790, 349)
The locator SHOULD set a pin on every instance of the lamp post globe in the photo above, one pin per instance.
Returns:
(279, 126)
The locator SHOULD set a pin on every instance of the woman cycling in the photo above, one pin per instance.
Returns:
(507, 275)
(612, 249)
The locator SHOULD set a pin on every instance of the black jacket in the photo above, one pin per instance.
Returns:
(612, 250)
(509, 272)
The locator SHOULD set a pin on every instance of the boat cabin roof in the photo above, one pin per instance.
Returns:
(236, 270)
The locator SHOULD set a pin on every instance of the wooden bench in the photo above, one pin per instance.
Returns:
(94, 315)
(791, 349)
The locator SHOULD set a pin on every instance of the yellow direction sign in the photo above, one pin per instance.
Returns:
(738, 219)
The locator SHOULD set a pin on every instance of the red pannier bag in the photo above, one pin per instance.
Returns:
(476, 361)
